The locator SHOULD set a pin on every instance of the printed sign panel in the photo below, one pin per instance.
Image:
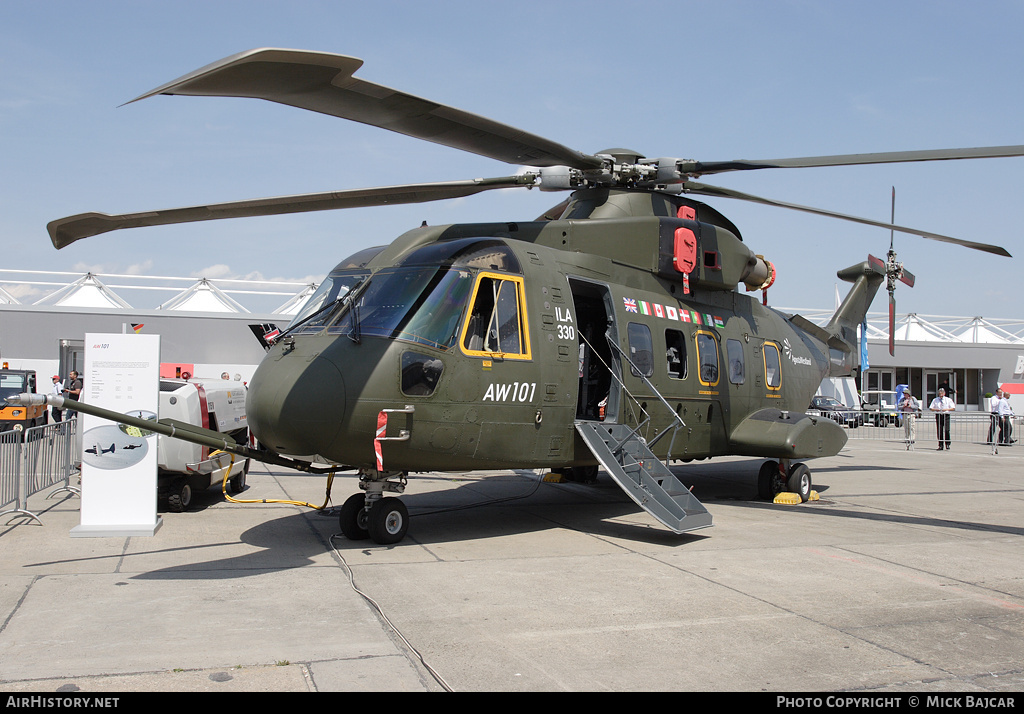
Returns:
(122, 373)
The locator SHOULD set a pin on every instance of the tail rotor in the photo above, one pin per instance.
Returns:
(894, 271)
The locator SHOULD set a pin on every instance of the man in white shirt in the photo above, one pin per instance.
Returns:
(942, 406)
(909, 407)
(57, 390)
(993, 407)
(1005, 417)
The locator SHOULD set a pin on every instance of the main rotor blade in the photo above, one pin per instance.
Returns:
(706, 190)
(323, 82)
(65, 231)
(891, 157)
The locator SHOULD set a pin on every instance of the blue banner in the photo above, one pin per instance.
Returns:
(864, 345)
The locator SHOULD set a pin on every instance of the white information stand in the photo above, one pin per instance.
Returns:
(122, 373)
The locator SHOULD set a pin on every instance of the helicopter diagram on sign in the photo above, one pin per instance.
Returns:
(614, 331)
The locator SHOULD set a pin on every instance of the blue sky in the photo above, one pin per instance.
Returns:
(705, 80)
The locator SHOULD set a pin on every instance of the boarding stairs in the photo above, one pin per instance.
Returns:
(645, 479)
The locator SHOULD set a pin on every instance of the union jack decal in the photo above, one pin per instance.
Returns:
(630, 304)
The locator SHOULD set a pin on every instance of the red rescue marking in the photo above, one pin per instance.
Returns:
(382, 428)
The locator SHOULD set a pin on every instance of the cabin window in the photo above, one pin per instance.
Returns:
(641, 350)
(496, 323)
(707, 356)
(772, 366)
(675, 353)
(737, 370)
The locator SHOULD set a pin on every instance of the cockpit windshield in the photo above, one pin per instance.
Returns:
(418, 304)
(421, 299)
(327, 300)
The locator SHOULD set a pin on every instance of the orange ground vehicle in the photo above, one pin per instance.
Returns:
(19, 418)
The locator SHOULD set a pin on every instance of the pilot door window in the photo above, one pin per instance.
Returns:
(707, 357)
(772, 366)
(496, 325)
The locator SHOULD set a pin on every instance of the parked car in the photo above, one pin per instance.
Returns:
(837, 411)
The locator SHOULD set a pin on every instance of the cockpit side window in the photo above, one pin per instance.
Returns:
(496, 323)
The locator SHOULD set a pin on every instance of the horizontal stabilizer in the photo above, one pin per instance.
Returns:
(818, 333)
(782, 434)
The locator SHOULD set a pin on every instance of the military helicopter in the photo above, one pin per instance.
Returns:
(612, 331)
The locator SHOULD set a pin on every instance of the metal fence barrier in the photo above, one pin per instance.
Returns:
(34, 460)
(964, 428)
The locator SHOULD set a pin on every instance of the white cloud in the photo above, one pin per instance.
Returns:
(143, 268)
(220, 270)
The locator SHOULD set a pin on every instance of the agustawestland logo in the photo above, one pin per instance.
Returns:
(792, 357)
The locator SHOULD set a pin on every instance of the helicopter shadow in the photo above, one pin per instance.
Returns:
(470, 512)
(504, 505)
(479, 511)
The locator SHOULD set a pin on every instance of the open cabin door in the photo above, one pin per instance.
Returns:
(598, 395)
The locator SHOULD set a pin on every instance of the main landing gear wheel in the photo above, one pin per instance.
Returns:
(800, 481)
(354, 518)
(770, 481)
(389, 521)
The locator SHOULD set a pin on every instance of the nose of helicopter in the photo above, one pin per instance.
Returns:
(296, 406)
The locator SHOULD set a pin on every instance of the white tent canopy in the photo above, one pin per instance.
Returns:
(980, 330)
(202, 297)
(912, 328)
(87, 291)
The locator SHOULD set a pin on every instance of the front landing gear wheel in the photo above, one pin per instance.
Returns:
(770, 481)
(389, 521)
(800, 481)
(354, 518)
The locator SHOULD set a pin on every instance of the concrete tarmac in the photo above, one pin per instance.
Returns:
(904, 577)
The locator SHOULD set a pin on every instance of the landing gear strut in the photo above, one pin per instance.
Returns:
(778, 476)
(382, 519)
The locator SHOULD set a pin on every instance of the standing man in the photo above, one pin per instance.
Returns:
(993, 408)
(942, 406)
(74, 390)
(1005, 421)
(908, 407)
(58, 390)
